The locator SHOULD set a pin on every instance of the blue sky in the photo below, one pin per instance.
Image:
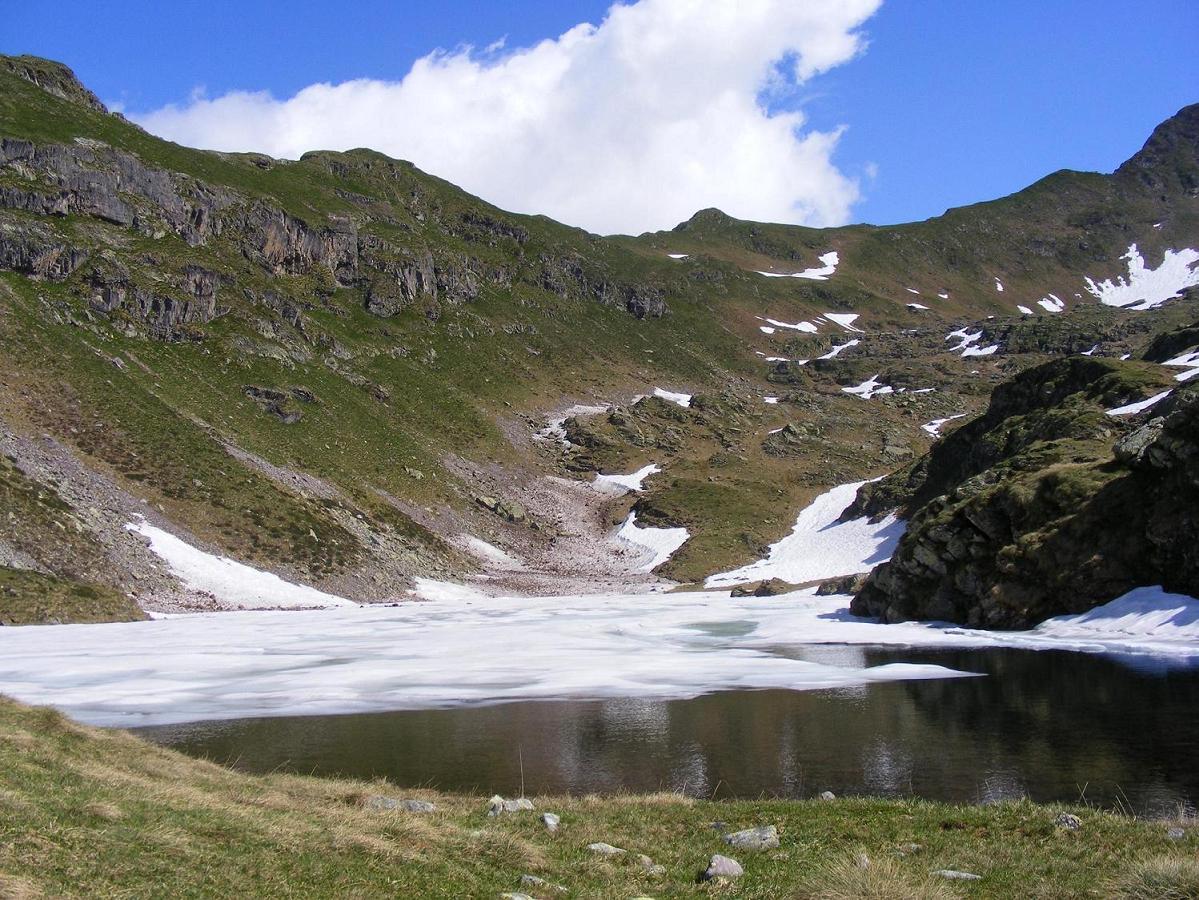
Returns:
(950, 103)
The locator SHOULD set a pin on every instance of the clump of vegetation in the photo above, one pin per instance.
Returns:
(31, 598)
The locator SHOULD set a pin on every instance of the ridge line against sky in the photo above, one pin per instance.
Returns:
(817, 112)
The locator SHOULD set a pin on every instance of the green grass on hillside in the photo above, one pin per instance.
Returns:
(30, 598)
(87, 813)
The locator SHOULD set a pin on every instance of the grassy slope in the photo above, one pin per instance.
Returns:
(90, 813)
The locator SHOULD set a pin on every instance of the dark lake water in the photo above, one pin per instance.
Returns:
(1048, 725)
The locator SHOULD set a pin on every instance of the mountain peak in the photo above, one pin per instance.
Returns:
(1169, 161)
(52, 77)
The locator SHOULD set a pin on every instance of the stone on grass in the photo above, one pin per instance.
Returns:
(1069, 821)
(532, 881)
(764, 838)
(862, 861)
(1176, 834)
(498, 805)
(417, 806)
(955, 875)
(379, 802)
(511, 896)
(650, 867)
(550, 821)
(602, 849)
(722, 867)
(827, 795)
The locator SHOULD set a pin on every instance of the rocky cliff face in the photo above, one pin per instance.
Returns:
(1045, 505)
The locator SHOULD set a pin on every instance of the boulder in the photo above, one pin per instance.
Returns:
(551, 822)
(722, 867)
(601, 849)
(764, 838)
(498, 806)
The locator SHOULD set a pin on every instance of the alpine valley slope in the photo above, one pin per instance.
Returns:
(352, 374)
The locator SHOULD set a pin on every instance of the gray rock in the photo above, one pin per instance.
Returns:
(532, 881)
(1069, 821)
(954, 875)
(651, 868)
(1176, 834)
(722, 867)
(909, 849)
(498, 805)
(379, 802)
(417, 806)
(827, 795)
(551, 822)
(602, 849)
(862, 861)
(509, 895)
(764, 838)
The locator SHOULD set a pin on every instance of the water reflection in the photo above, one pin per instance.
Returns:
(1047, 725)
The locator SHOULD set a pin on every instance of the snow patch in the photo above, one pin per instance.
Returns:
(683, 400)
(845, 320)
(554, 429)
(1024, 310)
(1052, 303)
(981, 351)
(766, 329)
(836, 351)
(999, 285)
(917, 306)
(660, 543)
(820, 547)
(831, 260)
(233, 584)
(1146, 288)
(871, 387)
(490, 553)
(677, 255)
(934, 427)
(770, 400)
(798, 326)
(944, 295)
(622, 484)
(1140, 406)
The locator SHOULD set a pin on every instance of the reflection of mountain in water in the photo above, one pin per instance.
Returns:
(1043, 724)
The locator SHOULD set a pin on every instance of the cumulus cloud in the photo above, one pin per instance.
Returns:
(628, 126)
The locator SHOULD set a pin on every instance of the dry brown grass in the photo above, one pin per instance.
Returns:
(884, 879)
(14, 888)
(1159, 878)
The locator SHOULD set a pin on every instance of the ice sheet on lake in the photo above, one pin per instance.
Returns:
(830, 261)
(659, 543)
(621, 484)
(820, 547)
(235, 585)
(1146, 288)
(683, 400)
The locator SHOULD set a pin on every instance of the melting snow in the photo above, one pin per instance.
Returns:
(554, 430)
(1139, 406)
(770, 400)
(872, 387)
(683, 400)
(944, 295)
(1024, 310)
(980, 351)
(621, 484)
(912, 291)
(820, 547)
(934, 427)
(845, 320)
(677, 255)
(966, 339)
(1145, 288)
(660, 543)
(1052, 303)
(798, 326)
(917, 306)
(999, 285)
(490, 553)
(830, 260)
(766, 329)
(235, 585)
(836, 351)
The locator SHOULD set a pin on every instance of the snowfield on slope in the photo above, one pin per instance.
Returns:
(830, 262)
(1146, 288)
(622, 484)
(656, 544)
(233, 584)
(820, 547)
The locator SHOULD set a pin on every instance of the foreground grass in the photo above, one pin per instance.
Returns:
(85, 812)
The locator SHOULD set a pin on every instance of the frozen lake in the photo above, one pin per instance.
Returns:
(1051, 725)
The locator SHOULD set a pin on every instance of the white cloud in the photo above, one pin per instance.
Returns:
(628, 126)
